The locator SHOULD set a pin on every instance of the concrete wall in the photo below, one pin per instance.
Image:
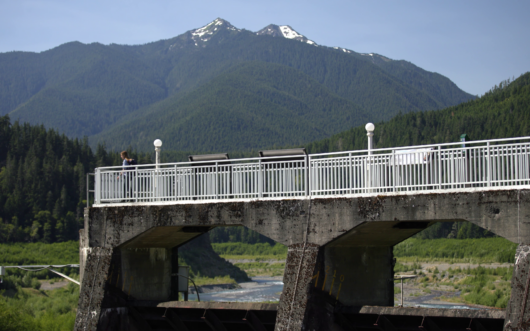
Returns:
(318, 221)
(146, 273)
(358, 276)
(350, 238)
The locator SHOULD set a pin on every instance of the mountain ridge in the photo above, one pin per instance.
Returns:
(94, 90)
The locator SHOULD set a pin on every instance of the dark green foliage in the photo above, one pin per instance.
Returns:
(483, 288)
(486, 250)
(459, 230)
(502, 112)
(29, 309)
(237, 91)
(39, 253)
(38, 310)
(251, 105)
(43, 182)
(79, 89)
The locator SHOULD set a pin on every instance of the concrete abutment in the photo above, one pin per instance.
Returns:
(340, 249)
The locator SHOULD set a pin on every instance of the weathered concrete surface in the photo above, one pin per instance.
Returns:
(299, 269)
(218, 305)
(350, 236)
(93, 288)
(317, 278)
(357, 276)
(146, 273)
(438, 312)
(83, 252)
(518, 310)
(506, 213)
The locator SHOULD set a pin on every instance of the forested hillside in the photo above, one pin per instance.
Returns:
(214, 88)
(502, 112)
(43, 182)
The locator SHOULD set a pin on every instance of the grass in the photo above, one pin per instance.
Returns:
(262, 268)
(201, 280)
(253, 257)
(481, 286)
(261, 250)
(485, 250)
(31, 309)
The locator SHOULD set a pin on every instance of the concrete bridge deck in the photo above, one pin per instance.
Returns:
(339, 245)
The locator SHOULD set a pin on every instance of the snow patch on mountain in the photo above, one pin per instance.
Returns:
(289, 33)
(343, 49)
(206, 32)
(284, 31)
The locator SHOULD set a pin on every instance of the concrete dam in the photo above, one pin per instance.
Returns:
(339, 214)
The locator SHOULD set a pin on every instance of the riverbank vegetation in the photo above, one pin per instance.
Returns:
(485, 250)
(476, 285)
(23, 304)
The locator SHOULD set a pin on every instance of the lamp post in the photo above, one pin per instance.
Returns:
(370, 133)
(158, 145)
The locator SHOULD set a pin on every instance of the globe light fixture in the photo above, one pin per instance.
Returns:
(158, 145)
(370, 127)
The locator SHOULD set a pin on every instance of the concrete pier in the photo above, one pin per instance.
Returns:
(340, 249)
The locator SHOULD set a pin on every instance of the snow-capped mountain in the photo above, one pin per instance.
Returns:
(284, 31)
(275, 86)
(202, 35)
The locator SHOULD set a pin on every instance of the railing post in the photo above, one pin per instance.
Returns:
(136, 184)
(97, 186)
(260, 180)
(307, 172)
(216, 179)
(439, 167)
(351, 173)
(175, 183)
(488, 159)
(393, 170)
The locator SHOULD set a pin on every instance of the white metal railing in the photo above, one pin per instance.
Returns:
(478, 164)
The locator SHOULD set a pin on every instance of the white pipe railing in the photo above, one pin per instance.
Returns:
(480, 164)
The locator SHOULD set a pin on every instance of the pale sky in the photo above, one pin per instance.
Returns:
(475, 43)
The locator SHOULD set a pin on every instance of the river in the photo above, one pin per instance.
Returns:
(268, 289)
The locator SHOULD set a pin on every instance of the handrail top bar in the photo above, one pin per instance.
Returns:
(195, 163)
(278, 158)
(421, 146)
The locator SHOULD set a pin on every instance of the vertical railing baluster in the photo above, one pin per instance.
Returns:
(488, 156)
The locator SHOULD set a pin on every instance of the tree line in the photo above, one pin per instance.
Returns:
(43, 182)
(502, 112)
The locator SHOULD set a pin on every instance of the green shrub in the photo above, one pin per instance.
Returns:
(464, 250)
